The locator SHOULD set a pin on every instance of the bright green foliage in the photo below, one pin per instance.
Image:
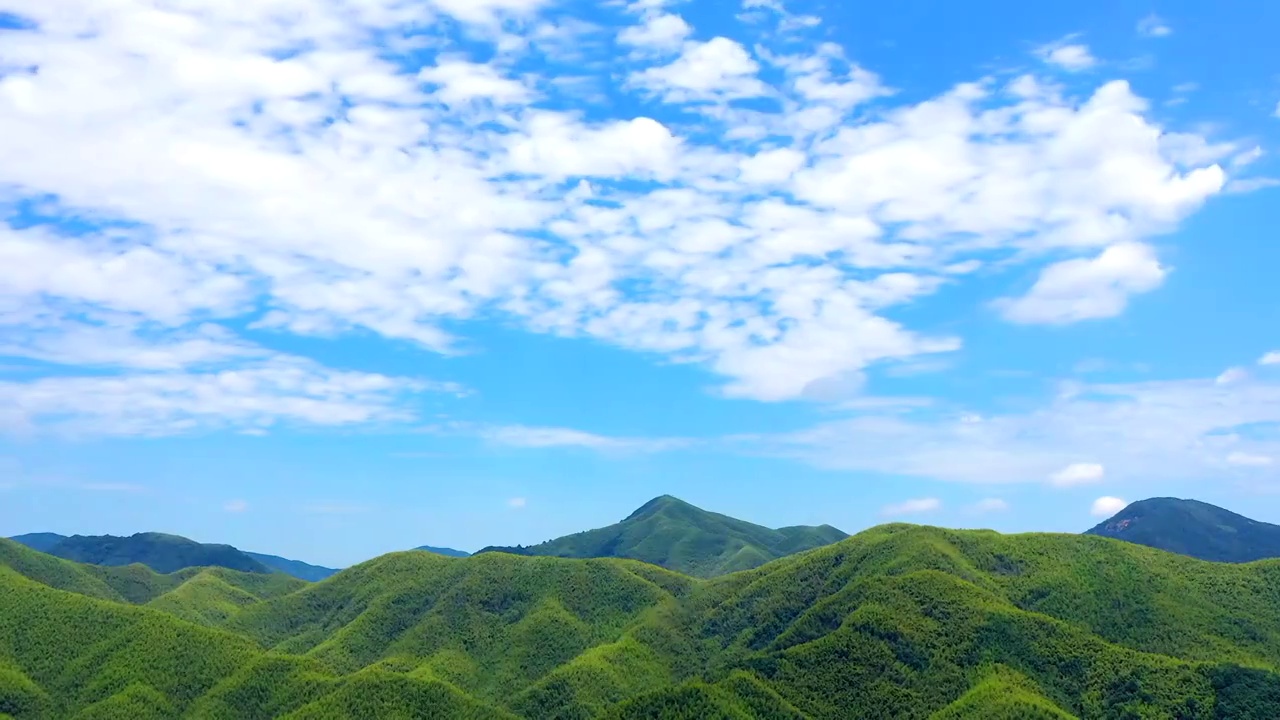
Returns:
(678, 536)
(1003, 695)
(900, 621)
(1191, 527)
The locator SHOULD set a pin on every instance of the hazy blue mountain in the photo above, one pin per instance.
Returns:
(296, 568)
(43, 542)
(447, 552)
(670, 532)
(165, 553)
(1194, 528)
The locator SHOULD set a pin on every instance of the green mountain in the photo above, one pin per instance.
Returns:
(1194, 528)
(447, 552)
(899, 621)
(165, 554)
(675, 535)
(296, 568)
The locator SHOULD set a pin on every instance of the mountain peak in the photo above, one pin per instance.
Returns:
(660, 504)
(1192, 527)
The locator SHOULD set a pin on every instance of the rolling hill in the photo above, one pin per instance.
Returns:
(165, 553)
(899, 621)
(673, 534)
(1194, 528)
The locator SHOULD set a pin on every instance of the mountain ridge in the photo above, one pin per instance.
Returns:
(165, 553)
(1193, 528)
(674, 534)
(898, 621)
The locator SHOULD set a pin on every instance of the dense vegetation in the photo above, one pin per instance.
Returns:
(672, 533)
(897, 622)
(1194, 528)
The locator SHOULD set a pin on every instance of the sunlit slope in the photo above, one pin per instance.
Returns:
(195, 593)
(897, 622)
(671, 533)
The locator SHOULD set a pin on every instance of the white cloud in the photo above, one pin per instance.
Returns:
(989, 505)
(911, 507)
(659, 31)
(1078, 474)
(1232, 375)
(294, 167)
(1249, 460)
(256, 396)
(1107, 506)
(517, 503)
(523, 436)
(1087, 289)
(1271, 358)
(1153, 431)
(1153, 26)
(235, 506)
(1067, 55)
(718, 69)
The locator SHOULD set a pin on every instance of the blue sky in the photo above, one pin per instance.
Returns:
(330, 278)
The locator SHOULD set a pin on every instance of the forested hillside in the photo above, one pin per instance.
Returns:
(669, 532)
(899, 621)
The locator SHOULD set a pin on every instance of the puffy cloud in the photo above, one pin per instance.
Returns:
(1086, 289)
(1271, 358)
(1067, 55)
(659, 31)
(911, 507)
(328, 167)
(1107, 506)
(1077, 474)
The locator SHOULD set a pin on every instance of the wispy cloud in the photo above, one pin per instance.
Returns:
(111, 487)
(335, 508)
(1149, 431)
(523, 436)
(911, 507)
(1154, 26)
(988, 505)
(1077, 474)
(517, 503)
(1067, 55)
(235, 506)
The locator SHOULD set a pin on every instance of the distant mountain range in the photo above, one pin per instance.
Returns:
(673, 534)
(1194, 528)
(165, 553)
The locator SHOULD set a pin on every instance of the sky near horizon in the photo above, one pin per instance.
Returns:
(331, 278)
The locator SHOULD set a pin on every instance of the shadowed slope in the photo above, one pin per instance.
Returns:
(1194, 528)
